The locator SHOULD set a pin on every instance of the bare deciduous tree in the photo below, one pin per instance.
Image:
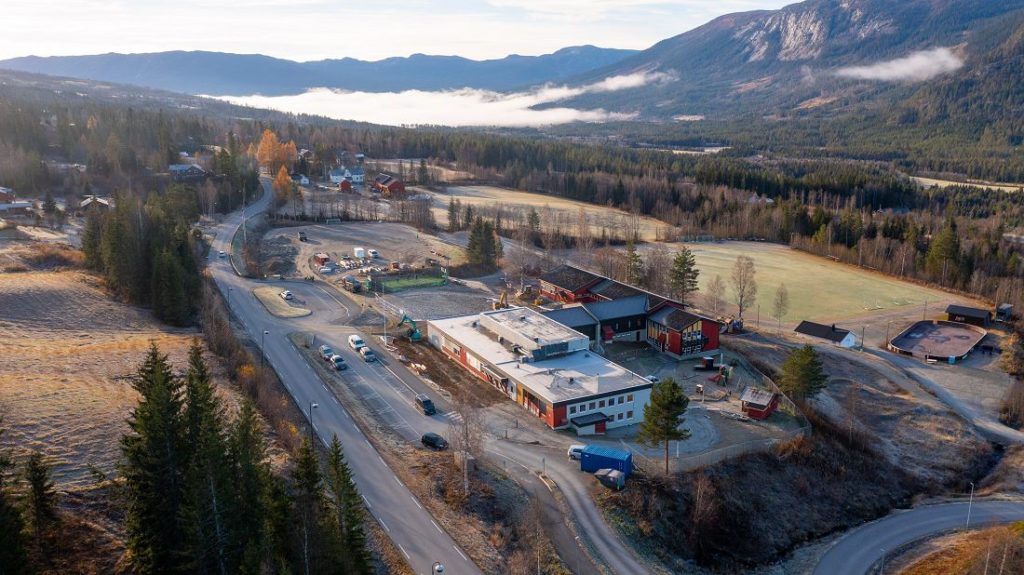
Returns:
(780, 305)
(744, 285)
(714, 296)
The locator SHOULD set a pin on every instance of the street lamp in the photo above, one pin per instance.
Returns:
(437, 567)
(312, 406)
(970, 503)
(263, 354)
(578, 554)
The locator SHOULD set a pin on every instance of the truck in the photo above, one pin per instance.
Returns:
(595, 457)
(360, 253)
(321, 259)
(351, 283)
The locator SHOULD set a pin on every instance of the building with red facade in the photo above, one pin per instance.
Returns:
(545, 367)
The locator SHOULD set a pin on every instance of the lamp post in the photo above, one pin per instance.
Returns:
(263, 354)
(578, 554)
(970, 503)
(881, 567)
(437, 567)
(312, 406)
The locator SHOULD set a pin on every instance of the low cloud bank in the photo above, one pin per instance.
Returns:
(916, 67)
(463, 107)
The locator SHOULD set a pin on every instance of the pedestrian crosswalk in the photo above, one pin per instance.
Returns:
(454, 416)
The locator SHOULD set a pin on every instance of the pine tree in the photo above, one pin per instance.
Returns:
(474, 247)
(171, 303)
(13, 555)
(261, 510)
(468, 217)
(803, 375)
(92, 236)
(209, 498)
(312, 529)
(683, 277)
(453, 216)
(41, 504)
(49, 206)
(634, 265)
(348, 511)
(153, 469)
(663, 416)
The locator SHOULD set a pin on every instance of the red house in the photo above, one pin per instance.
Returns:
(758, 403)
(345, 186)
(568, 284)
(678, 332)
(388, 185)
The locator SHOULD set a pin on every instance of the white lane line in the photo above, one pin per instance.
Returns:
(436, 527)
(325, 387)
(404, 552)
(396, 479)
(416, 502)
(457, 550)
(367, 442)
(381, 459)
(386, 528)
(365, 500)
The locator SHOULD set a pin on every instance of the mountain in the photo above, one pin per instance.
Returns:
(222, 74)
(814, 54)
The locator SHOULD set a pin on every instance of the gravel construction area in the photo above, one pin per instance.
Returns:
(271, 299)
(440, 302)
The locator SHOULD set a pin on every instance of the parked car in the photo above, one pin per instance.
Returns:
(286, 295)
(425, 404)
(302, 236)
(326, 270)
(356, 342)
(326, 352)
(373, 254)
(434, 441)
(653, 378)
(222, 254)
(367, 354)
(339, 362)
(575, 450)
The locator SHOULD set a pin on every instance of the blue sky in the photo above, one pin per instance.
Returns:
(368, 29)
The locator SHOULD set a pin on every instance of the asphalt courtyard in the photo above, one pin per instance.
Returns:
(938, 339)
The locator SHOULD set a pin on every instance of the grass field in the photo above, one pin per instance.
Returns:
(270, 298)
(614, 221)
(409, 283)
(819, 289)
(66, 354)
(1005, 187)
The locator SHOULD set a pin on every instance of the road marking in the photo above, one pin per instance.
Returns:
(460, 553)
(381, 459)
(396, 479)
(367, 442)
(325, 387)
(416, 502)
(386, 528)
(436, 527)
(367, 501)
(404, 552)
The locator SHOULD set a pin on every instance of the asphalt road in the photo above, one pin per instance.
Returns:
(860, 549)
(405, 520)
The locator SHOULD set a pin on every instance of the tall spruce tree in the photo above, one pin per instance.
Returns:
(314, 535)
(683, 277)
(92, 236)
(13, 555)
(153, 468)
(803, 375)
(262, 508)
(210, 497)
(634, 265)
(663, 416)
(347, 511)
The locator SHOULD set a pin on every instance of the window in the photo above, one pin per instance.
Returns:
(619, 416)
(572, 409)
(592, 404)
(621, 399)
(600, 403)
(629, 415)
(629, 397)
(583, 407)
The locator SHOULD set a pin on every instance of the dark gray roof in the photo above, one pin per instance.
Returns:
(569, 278)
(572, 316)
(969, 311)
(589, 419)
(674, 318)
(625, 307)
(756, 396)
(829, 332)
(612, 289)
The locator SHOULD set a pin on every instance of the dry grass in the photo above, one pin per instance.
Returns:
(987, 551)
(270, 298)
(67, 353)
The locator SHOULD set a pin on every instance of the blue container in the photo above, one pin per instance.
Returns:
(594, 457)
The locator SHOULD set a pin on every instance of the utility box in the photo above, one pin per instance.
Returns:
(595, 457)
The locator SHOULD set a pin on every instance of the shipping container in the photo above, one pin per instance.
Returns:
(594, 457)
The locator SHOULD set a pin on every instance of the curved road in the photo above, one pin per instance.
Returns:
(860, 549)
(406, 522)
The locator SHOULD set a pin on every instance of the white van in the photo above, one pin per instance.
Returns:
(575, 450)
(356, 342)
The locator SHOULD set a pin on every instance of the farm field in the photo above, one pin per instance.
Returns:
(68, 351)
(566, 211)
(819, 289)
(1005, 187)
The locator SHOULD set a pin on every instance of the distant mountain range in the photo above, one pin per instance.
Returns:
(222, 74)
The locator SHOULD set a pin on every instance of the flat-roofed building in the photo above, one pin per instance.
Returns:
(545, 367)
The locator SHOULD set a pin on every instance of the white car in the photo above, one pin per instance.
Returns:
(286, 295)
(221, 254)
(327, 270)
(575, 451)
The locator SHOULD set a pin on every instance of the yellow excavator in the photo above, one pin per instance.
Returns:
(501, 302)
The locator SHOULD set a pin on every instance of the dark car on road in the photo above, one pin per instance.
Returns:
(425, 404)
(434, 441)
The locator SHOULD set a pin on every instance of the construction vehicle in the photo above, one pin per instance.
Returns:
(414, 333)
(501, 302)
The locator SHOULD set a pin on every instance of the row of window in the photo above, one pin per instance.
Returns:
(600, 404)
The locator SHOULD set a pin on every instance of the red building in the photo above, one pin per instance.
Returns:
(388, 185)
(678, 332)
(758, 403)
(345, 186)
